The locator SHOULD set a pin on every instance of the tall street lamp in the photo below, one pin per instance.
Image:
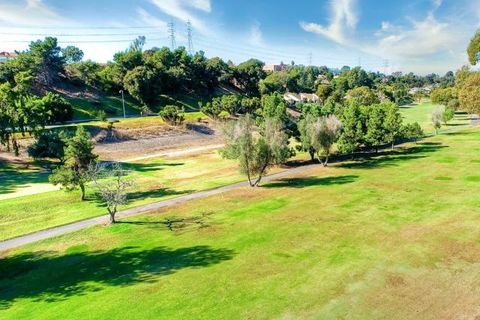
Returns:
(123, 103)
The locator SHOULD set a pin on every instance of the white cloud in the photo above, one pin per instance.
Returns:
(181, 9)
(256, 37)
(343, 20)
(30, 13)
(421, 39)
(151, 20)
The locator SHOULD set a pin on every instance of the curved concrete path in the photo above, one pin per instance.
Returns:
(75, 226)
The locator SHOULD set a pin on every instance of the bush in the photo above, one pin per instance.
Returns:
(60, 110)
(172, 115)
(49, 144)
(101, 115)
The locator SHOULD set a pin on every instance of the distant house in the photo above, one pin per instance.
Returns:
(4, 56)
(293, 98)
(274, 67)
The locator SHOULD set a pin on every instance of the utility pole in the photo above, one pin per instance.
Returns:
(123, 104)
(190, 37)
(171, 32)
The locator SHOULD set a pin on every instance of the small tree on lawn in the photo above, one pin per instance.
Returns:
(112, 183)
(437, 119)
(447, 115)
(323, 133)
(256, 151)
(412, 131)
(78, 157)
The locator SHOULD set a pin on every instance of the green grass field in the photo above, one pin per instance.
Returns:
(422, 112)
(395, 236)
(155, 180)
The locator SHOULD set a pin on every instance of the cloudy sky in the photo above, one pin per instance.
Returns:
(409, 35)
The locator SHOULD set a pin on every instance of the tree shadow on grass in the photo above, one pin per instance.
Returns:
(48, 277)
(392, 157)
(311, 181)
(148, 167)
(156, 193)
(12, 179)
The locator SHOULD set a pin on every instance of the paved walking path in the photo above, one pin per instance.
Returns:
(56, 231)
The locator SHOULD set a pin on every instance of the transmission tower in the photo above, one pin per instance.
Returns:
(171, 32)
(190, 37)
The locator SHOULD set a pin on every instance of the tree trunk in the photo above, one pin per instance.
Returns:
(393, 144)
(312, 154)
(112, 213)
(82, 191)
(325, 163)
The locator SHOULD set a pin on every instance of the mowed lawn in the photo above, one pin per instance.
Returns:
(396, 236)
(155, 180)
(422, 114)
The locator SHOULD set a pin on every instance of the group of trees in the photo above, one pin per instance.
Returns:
(25, 105)
(78, 167)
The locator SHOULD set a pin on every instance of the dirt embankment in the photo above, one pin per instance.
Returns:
(123, 144)
(127, 143)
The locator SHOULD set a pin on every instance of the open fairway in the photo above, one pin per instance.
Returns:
(422, 113)
(155, 180)
(392, 237)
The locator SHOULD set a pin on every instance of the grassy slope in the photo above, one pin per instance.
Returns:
(422, 112)
(395, 237)
(155, 180)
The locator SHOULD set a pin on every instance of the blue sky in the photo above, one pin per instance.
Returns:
(396, 35)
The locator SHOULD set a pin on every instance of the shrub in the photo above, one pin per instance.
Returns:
(172, 115)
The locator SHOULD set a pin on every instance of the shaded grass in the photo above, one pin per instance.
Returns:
(155, 180)
(422, 112)
(391, 242)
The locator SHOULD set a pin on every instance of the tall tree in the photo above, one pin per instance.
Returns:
(473, 49)
(256, 151)
(72, 54)
(78, 157)
(323, 133)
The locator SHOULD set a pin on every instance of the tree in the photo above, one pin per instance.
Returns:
(362, 96)
(469, 94)
(255, 151)
(473, 49)
(392, 122)
(447, 115)
(443, 95)
(274, 106)
(412, 131)
(58, 109)
(323, 134)
(139, 83)
(248, 75)
(211, 109)
(352, 135)
(46, 58)
(304, 136)
(49, 144)
(72, 54)
(78, 157)
(437, 118)
(172, 115)
(323, 92)
(376, 133)
(112, 182)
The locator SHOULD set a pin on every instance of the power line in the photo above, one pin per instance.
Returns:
(75, 35)
(86, 41)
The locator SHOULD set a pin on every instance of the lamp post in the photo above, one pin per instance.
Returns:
(123, 104)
